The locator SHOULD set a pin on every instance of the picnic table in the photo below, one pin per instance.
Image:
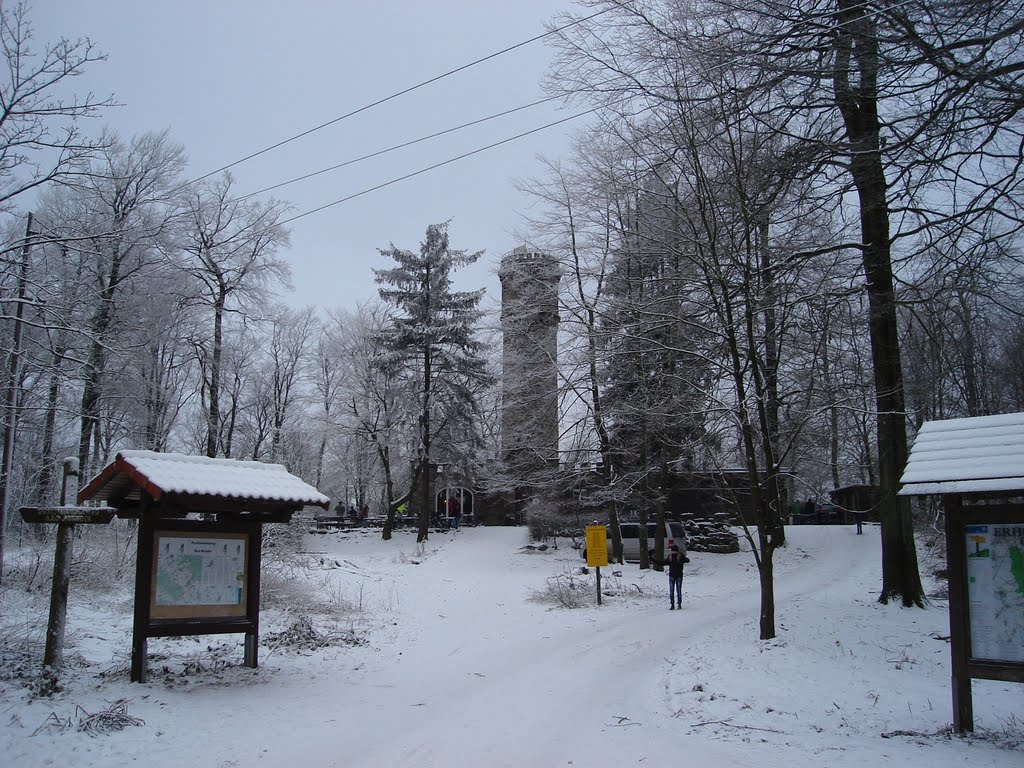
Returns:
(335, 521)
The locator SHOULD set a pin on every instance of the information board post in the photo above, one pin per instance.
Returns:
(252, 636)
(960, 680)
(597, 551)
(985, 557)
(140, 637)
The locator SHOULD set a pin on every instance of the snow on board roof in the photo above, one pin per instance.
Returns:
(175, 473)
(971, 455)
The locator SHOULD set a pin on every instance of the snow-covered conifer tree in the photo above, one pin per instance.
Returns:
(431, 336)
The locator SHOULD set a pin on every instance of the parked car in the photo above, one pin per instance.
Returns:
(674, 534)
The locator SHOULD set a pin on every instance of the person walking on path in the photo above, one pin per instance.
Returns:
(674, 562)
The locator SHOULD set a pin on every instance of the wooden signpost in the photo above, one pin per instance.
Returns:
(66, 518)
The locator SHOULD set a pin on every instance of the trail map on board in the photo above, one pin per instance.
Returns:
(199, 571)
(995, 590)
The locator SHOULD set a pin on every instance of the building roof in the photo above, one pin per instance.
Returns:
(173, 474)
(983, 454)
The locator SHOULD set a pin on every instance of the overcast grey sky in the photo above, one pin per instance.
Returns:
(231, 77)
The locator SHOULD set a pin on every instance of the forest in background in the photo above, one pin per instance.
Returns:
(725, 230)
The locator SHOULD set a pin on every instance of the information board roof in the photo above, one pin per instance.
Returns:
(983, 454)
(161, 474)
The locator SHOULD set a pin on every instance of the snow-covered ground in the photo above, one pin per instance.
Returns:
(461, 653)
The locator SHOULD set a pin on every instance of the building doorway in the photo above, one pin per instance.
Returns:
(454, 506)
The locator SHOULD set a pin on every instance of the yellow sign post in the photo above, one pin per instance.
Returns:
(597, 545)
(597, 551)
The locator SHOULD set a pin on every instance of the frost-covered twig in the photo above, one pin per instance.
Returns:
(113, 718)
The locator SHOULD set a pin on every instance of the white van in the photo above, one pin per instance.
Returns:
(674, 534)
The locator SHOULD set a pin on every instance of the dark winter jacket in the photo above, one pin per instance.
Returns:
(674, 563)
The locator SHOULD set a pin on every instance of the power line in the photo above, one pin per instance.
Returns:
(450, 160)
(395, 95)
(396, 147)
(439, 133)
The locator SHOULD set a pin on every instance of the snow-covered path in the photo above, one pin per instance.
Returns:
(525, 691)
(465, 668)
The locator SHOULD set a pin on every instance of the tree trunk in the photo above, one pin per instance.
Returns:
(46, 463)
(645, 560)
(772, 433)
(833, 409)
(857, 53)
(422, 533)
(766, 577)
(765, 541)
(659, 509)
(425, 503)
(389, 488)
(53, 652)
(213, 412)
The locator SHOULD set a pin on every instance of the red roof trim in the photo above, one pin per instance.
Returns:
(97, 483)
(141, 480)
(112, 470)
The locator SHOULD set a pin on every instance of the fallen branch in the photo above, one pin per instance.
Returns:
(734, 725)
(53, 721)
(114, 718)
(918, 734)
(753, 728)
(623, 721)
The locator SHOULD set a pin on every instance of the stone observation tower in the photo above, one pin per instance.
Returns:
(529, 324)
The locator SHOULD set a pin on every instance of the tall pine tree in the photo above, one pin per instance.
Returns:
(432, 338)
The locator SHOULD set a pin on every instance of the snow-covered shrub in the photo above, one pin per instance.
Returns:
(21, 651)
(30, 567)
(546, 521)
(302, 635)
(568, 590)
(105, 555)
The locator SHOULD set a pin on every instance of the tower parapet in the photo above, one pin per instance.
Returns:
(522, 257)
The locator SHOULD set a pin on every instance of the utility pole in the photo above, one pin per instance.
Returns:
(11, 397)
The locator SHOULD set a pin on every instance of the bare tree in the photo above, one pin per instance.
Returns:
(232, 247)
(777, 57)
(326, 376)
(379, 400)
(114, 228)
(41, 140)
(240, 375)
(577, 222)
(290, 335)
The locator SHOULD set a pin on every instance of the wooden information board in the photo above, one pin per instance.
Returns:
(198, 576)
(985, 554)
